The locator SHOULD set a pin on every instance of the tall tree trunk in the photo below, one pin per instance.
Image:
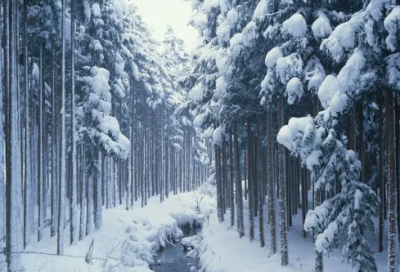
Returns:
(260, 194)
(361, 151)
(397, 155)
(270, 185)
(3, 61)
(82, 221)
(63, 155)
(392, 187)
(73, 202)
(238, 184)
(381, 177)
(231, 181)
(27, 168)
(282, 193)
(97, 196)
(217, 150)
(12, 142)
(224, 176)
(54, 153)
(249, 172)
(304, 199)
(40, 181)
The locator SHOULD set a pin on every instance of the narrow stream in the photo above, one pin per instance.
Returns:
(173, 257)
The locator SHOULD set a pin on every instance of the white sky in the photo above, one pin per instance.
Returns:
(177, 13)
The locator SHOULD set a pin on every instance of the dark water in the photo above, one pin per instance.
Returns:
(173, 258)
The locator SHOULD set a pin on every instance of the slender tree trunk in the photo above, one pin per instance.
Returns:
(54, 154)
(13, 186)
(249, 164)
(392, 187)
(381, 178)
(238, 184)
(304, 198)
(3, 57)
(231, 181)
(361, 151)
(63, 155)
(82, 221)
(217, 150)
(97, 196)
(73, 205)
(27, 168)
(40, 150)
(397, 155)
(282, 193)
(224, 176)
(260, 194)
(270, 186)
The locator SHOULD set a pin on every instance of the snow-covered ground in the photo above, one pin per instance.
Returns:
(221, 250)
(126, 241)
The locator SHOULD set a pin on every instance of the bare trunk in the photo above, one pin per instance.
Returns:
(381, 177)
(63, 155)
(270, 185)
(238, 185)
(282, 193)
(392, 188)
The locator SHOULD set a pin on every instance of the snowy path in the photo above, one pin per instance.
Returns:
(127, 238)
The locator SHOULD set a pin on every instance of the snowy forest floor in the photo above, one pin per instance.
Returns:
(221, 250)
(126, 239)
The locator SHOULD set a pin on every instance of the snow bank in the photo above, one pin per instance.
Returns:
(127, 240)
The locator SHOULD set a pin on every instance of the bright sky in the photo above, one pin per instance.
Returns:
(177, 13)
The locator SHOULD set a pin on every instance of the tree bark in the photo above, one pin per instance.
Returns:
(260, 194)
(282, 193)
(238, 184)
(392, 187)
(270, 185)
(381, 177)
(63, 155)
(73, 202)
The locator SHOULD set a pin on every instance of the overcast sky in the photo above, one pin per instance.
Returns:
(177, 13)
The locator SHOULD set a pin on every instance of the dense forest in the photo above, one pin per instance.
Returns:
(302, 96)
(92, 118)
(287, 106)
